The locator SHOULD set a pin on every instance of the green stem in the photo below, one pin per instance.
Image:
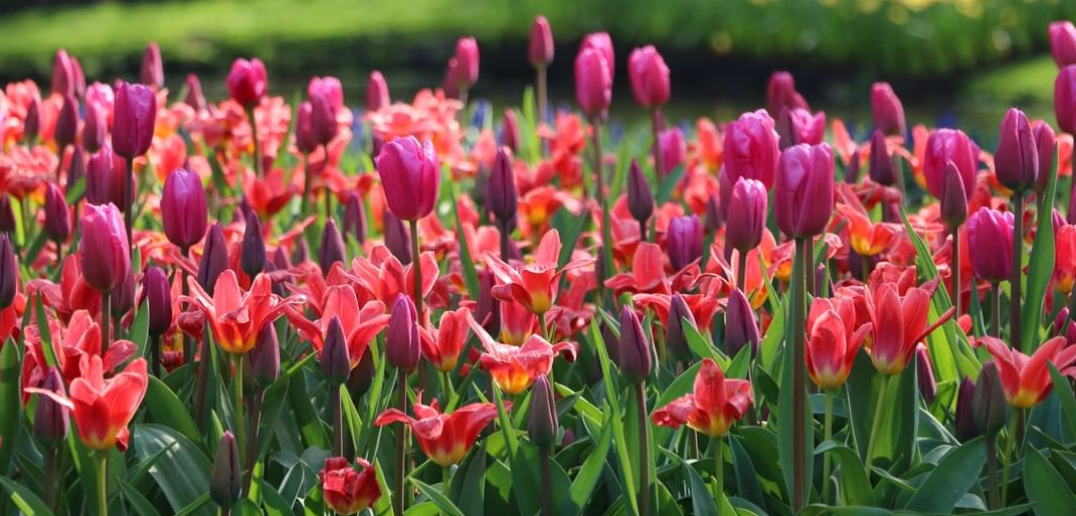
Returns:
(655, 124)
(188, 342)
(719, 466)
(155, 356)
(826, 456)
(252, 445)
(128, 210)
(1017, 269)
(599, 182)
(547, 484)
(401, 448)
(201, 381)
(328, 193)
(240, 417)
(416, 266)
(809, 270)
(540, 79)
(741, 271)
(799, 409)
(257, 146)
(102, 483)
(644, 450)
(1010, 442)
(307, 176)
(995, 309)
(876, 424)
(50, 486)
(954, 270)
(106, 322)
(338, 420)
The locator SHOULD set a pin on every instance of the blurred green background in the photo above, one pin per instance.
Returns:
(963, 56)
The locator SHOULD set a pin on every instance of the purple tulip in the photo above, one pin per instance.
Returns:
(195, 99)
(1045, 143)
(954, 200)
(105, 174)
(411, 177)
(803, 190)
(943, 146)
(397, 238)
(781, 94)
(634, 348)
(640, 199)
(1016, 160)
(510, 136)
(158, 291)
(675, 337)
(95, 130)
(683, 241)
(355, 218)
(741, 328)
(183, 208)
(335, 361)
(304, 128)
(928, 386)
(103, 248)
(9, 272)
(673, 149)
(66, 129)
(31, 126)
(323, 126)
(252, 257)
(214, 258)
(401, 337)
(332, 248)
(881, 169)
(7, 215)
(542, 422)
(50, 418)
(265, 357)
(501, 196)
(63, 74)
(990, 234)
(746, 215)
(1065, 99)
(57, 218)
(133, 119)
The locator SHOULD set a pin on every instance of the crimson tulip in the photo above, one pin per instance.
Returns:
(714, 405)
(887, 109)
(535, 285)
(899, 322)
(444, 438)
(248, 82)
(781, 93)
(649, 77)
(515, 368)
(990, 234)
(359, 324)
(345, 490)
(237, 317)
(442, 349)
(184, 213)
(833, 341)
(950, 145)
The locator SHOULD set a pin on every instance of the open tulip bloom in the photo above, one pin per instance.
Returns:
(441, 305)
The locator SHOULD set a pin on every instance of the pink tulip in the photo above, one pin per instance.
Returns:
(377, 92)
(1063, 43)
(803, 191)
(152, 72)
(540, 47)
(887, 109)
(751, 148)
(593, 82)
(134, 119)
(1065, 99)
(103, 248)
(649, 77)
(248, 81)
(943, 146)
(411, 177)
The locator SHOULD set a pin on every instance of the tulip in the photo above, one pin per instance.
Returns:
(323, 126)
(746, 215)
(444, 438)
(9, 272)
(510, 135)
(684, 241)
(304, 130)
(714, 217)
(214, 259)
(928, 386)
(881, 167)
(751, 148)
(50, 416)
(265, 357)
(31, 126)
(990, 235)
(158, 291)
(1064, 273)
(63, 74)
(377, 92)
(515, 368)
(362, 377)
(640, 199)
(57, 218)
(345, 490)
(122, 299)
(1017, 157)
(542, 422)
(601, 42)
(397, 238)
(247, 82)
(1045, 143)
(1026, 380)
(950, 145)
(66, 128)
(237, 317)
(540, 47)
(1065, 99)
(401, 338)
(134, 117)
(671, 150)
(355, 218)
(988, 408)
(954, 199)
(1063, 43)
(781, 93)
(634, 348)
(7, 215)
(716, 403)
(103, 248)
(964, 419)
(501, 196)
(649, 77)
(411, 177)
(803, 190)
(675, 337)
(851, 172)
(152, 71)
(105, 174)
(450, 85)
(593, 82)
(887, 109)
(195, 99)
(332, 248)
(335, 362)
(534, 286)
(466, 63)
(252, 257)
(741, 329)
(225, 476)
(95, 130)
(442, 350)
(899, 322)
(796, 126)
(833, 341)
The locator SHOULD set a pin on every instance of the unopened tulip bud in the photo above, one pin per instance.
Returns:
(928, 386)
(300, 252)
(640, 199)
(487, 309)
(50, 418)
(741, 329)
(7, 214)
(157, 290)
(355, 218)
(634, 349)
(57, 218)
(184, 212)
(397, 238)
(9, 272)
(593, 82)
(781, 93)
(501, 196)
(66, 128)
(31, 126)
(684, 241)
(63, 74)
(103, 248)
(248, 82)
(410, 176)
(304, 128)
(851, 172)
(888, 110)
(105, 175)
(945, 146)
(746, 215)
(466, 63)
(195, 99)
(225, 478)
(123, 297)
(323, 126)
(542, 422)
(1063, 43)
(76, 169)
(152, 71)
(990, 234)
(1065, 99)
(954, 200)
(377, 92)
(649, 77)
(964, 418)
(332, 248)
(252, 255)
(214, 259)
(675, 337)
(1045, 143)
(988, 406)
(401, 338)
(803, 190)
(510, 136)
(751, 149)
(335, 361)
(881, 168)
(714, 216)
(265, 357)
(540, 47)
(362, 377)
(133, 120)
(1016, 160)
(95, 130)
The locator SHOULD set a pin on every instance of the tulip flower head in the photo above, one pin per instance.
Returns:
(237, 317)
(990, 234)
(1063, 43)
(1017, 157)
(411, 177)
(359, 324)
(103, 248)
(225, 488)
(248, 82)
(887, 109)
(442, 349)
(803, 190)
(950, 145)
(515, 368)
(444, 438)
(751, 148)
(57, 217)
(833, 341)
(402, 346)
(649, 77)
(542, 421)
(9, 272)
(593, 82)
(466, 70)
(152, 72)
(741, 328)
(183, 208)
(1026, 379)
(899, 322)
(716, 403)
(1065, 99)
(540, 47)
(345, 490)
(988, 405)
(533, 286)
(746, 216)
(781, 93)
(683, 241)
(133, 120)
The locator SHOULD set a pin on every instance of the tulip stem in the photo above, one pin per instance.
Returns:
(876, 424)
(188, 342)
(741, 271)
(416, 266)
(155, 356)
(338, 420)
(596, 139)
(992, 469)
(254, 137)
(128, 210)
(644, 450)
(102, 483)
(401, 447)
(106, 322)
(809, 270)
(1010, 441)
(995, 309)
(799, 396)
(543, 99)
(240, 418)
(954, 270)
(506, 240)
(547, 488)
(719, 466)
(252, 445)
(828, 435)
(1017, 269)
(328, 193)
(201, 380)
(655, 123)
(307, 174)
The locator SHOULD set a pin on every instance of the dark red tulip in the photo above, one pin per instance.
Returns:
(964, 419)
(714, 217)
(66, 129)
(593, 82)
(881, 167)
(887, 109)
(133, 119)
(123, 297)
(683, 241)
(214, 258)
(501, 196)
(990, 234)
(1045, 143)
(103, 248)
(9, 272)
(265, 357)
(377, 92)
(248, 82)
(50, 417)
(803, 190)
(183, 208)
(152, 71)
(397, 238)
(63, 74)
(402, 348)
(1016, 161)
(195, 99)
(323, 126)
(7, 215)
(741, 328)
(1065, 99)
(226, 475)
(675, 337)
(410, 176)
(751, 148)
(157, 290)
(781, 94)
(649, 77)
(954, 200)
(989, 409)
(355, 218)
(252, 256)
(335, 362)
(640, 199)
(510, 136)
(1063, 42)
(95, 130)
(634, 348)
(332, 248)
(943, 146)
(57, 218)
(746, 215)
(450, 85)
(76, 169)
(542, 422)
(540, 46)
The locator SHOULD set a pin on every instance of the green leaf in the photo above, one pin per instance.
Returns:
(957, 472)
(613, 405)
(470, 277)
(10, 404)
(438, 498)
(1045, 487)
(702, 502)
(139, 333)
(165, 409)
(855, 484)
(197, 506)
(25, 499)
(1068, 401)
(570, 240)
(182, 473)
(589, 474)
(665, 188)
(275, 504)
(1040, 267)
(747, 484)
(137, 501)
(470, 494)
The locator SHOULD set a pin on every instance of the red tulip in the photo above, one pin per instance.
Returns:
(411, 177)
(832, 341)
(183, 208)
(540, 48)
(133, 120)
(1026, 380)
(360, 324)
(593, 82)
(248, 81)
(345, 490)
(515, 368)
(746, 215)
(377, 92)
(103, 248)
(887, 109)
(152, 71)
(943, 146)
(649, 77)
(1016, 160)
(1063, 43)
(1065, 99)
(781, 94)
(442, 349)
(236, 317)
(533, 286)
(713, 407)
(444, 438)
(990, 242)
(803, 191)
(1064, 274)
(751, 148)
(899, 323)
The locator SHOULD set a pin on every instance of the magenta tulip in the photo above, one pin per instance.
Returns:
(880, 168)
(304, 128)
(248, 82)
(466, 62)
(1045, 143)
(152, 72)
(887, 109)
(746, 215)
(411, 177)
(1063, 43)
(95, 130)
(990, 234)
(540, 47)
(105, 174)
(377, 92)
(66, 128)
(943, 146)
(593, 82)
(63, 74)
(1065, 99)
(195, 99)
(798, 125)
(803, 190)
(683, 241)
(183, 208)
(751, 148)
(1016, 160)
(601, 42)
(133, 120)
(649, 77)
(57, 218)
(781, 94)
(103, 248)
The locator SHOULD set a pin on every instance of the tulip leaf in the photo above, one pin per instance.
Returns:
(45, 332)
(824, 510)
(309, 424)
(438, 498)
(139, 333)
(701, 346)
(747, 484)
(570, 240)
(1045, 487)
(1040, 267)
(589, 474)
(470, 493)
(667, 184)
(854, 481)
(956, 473)
(10, 403)
(137, 500)
(702, 502)
(197, 506)
(470, 276)
(786, 400)
(182, 473)
(25, 499)
(165, 409)
(1068, 402)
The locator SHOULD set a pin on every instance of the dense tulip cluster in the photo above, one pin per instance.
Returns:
(518, 320)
